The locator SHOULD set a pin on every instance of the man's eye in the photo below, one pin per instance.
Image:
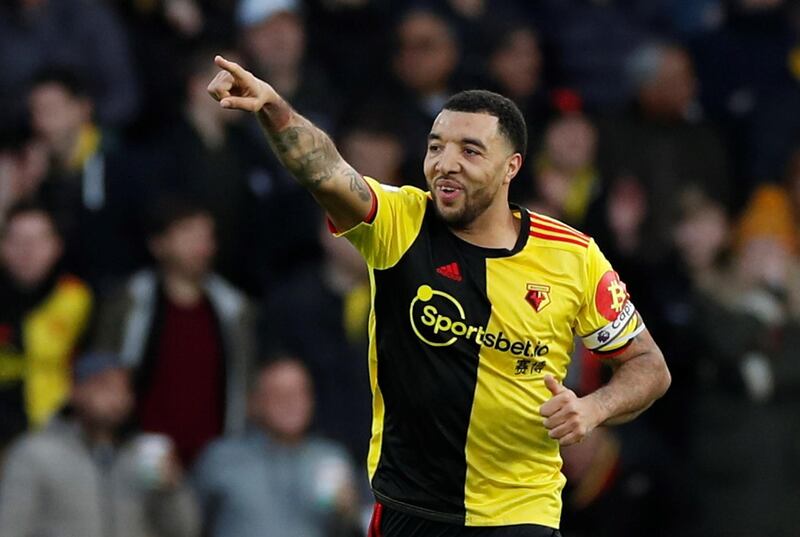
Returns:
(471, 152)
(433, 147)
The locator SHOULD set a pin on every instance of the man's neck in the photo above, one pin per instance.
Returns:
(495, 228)
(65, 150)
(182, 290)
(96, 436)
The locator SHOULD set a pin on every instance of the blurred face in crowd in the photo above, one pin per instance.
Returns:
(187, 247)
(57, 116)
(105, 400)
(570, 143)
(517, 64)
(701, 235)
(375, 154)
(552, 189)
(197, 94)
(672, 89)
(468, 166)
(627, 206)
(343, 255)
(282, 401)
(22, 170)
(276, 43)
(764, 260)
(427, 54)
(30, 248)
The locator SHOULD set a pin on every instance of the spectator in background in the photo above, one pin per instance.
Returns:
(755, 41)
(662, 144)
(351, 40)
(334, 298)
(184, 331)
(277, 480)
(479, 23)
(166, 33)
(273, 40)
(748, 326)
(565, 174)
(42, 319)
(775, 128)
(777, 206)
(373, 144)
(515, 69)
(23, 165)
(209, 156)
(424, 64)
(591, 41)
(90, 187)
(85, 475)
(71, 34)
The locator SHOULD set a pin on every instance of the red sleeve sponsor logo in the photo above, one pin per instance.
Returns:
(610, 296)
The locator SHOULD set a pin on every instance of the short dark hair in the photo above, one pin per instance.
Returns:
(170, 209)
(27, 206)
(376, 117)
(274, 358)
(511, 122)
(69, 79)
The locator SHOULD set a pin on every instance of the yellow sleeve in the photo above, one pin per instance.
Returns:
(395, 224)
(51, 335)
(607, 320)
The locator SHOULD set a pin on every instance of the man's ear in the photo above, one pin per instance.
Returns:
(513, 165)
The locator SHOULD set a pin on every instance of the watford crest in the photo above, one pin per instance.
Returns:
(538, 296)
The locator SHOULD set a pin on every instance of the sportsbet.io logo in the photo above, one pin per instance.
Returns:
(439, 320)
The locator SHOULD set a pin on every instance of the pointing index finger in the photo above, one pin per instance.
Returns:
(232, 67)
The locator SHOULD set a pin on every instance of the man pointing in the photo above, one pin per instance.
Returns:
(475, 306)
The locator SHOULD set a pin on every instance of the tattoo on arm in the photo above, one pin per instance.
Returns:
(308, 153)
(358, 185)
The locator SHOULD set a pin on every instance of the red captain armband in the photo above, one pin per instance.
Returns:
(373, 210)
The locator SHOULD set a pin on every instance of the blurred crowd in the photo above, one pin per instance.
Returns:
(183, 343)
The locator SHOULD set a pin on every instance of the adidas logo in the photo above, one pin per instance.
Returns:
(450, 271)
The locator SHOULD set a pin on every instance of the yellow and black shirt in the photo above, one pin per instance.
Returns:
(460, 340)
(39, 332)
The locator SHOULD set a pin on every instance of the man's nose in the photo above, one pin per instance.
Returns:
(448, 161)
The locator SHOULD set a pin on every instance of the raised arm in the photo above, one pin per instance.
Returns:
(305, 150)
(640, 377)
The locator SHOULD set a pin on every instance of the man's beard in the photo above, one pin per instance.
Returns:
(473, 207)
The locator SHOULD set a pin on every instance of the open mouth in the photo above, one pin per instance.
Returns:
(448, 193)
(448, 189)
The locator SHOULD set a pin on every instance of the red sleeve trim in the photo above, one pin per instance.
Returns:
(331, 227)
(576, 240)
(614, 353)
(373, 211)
